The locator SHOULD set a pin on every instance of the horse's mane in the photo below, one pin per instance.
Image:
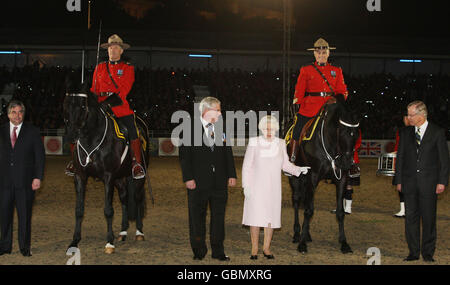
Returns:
(343, 110)
(92, 99)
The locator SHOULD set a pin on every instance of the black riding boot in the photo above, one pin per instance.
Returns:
(137, 169)
(293, 150)
(354, 171)
(292, 153)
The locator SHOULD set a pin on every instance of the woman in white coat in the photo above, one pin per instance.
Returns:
(264, 160)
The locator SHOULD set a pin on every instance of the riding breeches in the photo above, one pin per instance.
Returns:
(130, 124)
(301, 122)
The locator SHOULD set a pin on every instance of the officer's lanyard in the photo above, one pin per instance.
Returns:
(321, 74)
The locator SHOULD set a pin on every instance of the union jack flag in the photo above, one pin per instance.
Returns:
(369, 148)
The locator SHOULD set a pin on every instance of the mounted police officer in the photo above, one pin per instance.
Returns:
(316, 84)
(112, 82)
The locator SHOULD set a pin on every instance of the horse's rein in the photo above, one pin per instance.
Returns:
(332, 160)
(333, 165)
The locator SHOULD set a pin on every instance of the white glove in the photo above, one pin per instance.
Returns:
(247, 192)
(304, 170)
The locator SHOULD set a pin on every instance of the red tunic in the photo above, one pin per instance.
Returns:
(310, 80)
(357, 146)
(123, 74)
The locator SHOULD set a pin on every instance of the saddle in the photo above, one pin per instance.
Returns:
(121, 130)
(308, 129)
(310, 126)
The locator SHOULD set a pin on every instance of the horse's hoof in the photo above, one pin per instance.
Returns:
(345, 248)
(109, 248)
(302, 248)
(139, 235)
(122, 238)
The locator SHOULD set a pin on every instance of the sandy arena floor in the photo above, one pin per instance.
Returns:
(166, 226)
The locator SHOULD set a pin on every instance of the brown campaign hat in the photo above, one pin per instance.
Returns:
(321, 44)
(115, 40)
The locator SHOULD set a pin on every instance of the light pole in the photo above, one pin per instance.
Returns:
(287, 20)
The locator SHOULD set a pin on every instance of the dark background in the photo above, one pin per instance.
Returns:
(402, 25)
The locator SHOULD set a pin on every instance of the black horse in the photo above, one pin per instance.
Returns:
(329, 153)
(102, 152)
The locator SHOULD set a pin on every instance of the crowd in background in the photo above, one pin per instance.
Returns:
(381, 99)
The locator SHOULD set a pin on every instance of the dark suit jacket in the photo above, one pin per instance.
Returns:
(209, 169)
(427, 167)
(19, 166)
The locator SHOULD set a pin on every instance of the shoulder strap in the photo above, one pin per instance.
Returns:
(110, 76)
(323, 76)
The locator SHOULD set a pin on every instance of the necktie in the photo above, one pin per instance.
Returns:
(211, 134)
(14, 137)
(211, 130)
(418, 139)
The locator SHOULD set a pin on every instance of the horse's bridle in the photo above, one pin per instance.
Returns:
(88, 154)
(331, 159)
(86, 104)
(348, 124)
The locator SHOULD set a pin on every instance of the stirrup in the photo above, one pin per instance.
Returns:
(140, 174)
(355, 171)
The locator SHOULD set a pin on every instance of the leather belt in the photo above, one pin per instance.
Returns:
(321, 94)
(106, 94)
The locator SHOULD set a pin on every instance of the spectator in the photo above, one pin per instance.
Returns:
(159, 92)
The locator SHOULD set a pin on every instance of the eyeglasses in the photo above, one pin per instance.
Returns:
(412, 115)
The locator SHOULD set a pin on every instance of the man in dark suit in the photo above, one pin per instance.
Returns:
(208, 169)
(421, 174)
(22, 158)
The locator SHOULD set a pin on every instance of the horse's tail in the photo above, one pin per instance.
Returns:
(136, 199)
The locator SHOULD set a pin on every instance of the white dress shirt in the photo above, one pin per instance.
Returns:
(11, 128)
(423, 128)
(205, 123)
